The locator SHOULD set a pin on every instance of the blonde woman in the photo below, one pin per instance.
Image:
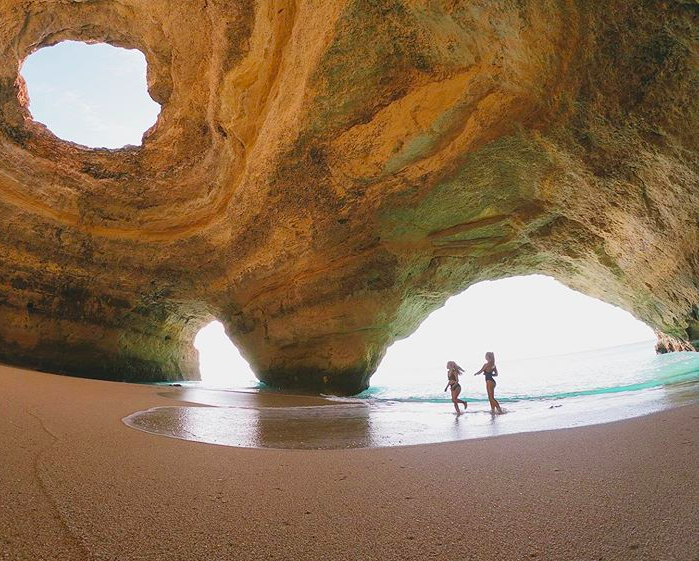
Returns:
(453, 372)
(490, 371)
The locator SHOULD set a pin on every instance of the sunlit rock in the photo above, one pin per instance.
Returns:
(324, 174)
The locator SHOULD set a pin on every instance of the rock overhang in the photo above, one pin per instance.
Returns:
(322, 177)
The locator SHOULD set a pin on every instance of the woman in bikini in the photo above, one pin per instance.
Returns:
(490, 371)
(453, 371)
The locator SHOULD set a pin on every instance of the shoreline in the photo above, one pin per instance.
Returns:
(290, 421)
(78, 484)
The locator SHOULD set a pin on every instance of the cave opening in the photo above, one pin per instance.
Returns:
(547, 339)
(220, 363)
(95, 95)
(537, 327)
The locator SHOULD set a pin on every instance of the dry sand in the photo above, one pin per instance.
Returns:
(77, 484)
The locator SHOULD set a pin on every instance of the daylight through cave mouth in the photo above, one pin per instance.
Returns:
(524, 320)
(95, 95)
(547, 339)
(220, 362)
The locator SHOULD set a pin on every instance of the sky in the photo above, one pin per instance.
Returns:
(96, 95)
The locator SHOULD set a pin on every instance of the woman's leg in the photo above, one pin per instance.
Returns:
(455, 400)
(460, 400)
(490, 386)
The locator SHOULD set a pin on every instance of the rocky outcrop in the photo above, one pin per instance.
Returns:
(669, 344)
(324, 174)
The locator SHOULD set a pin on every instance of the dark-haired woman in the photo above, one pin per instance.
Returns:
(453, 372)
(490, 371)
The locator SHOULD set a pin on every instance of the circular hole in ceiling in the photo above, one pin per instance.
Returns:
(91, 94)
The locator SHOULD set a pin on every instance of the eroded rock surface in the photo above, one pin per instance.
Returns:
(325, 173)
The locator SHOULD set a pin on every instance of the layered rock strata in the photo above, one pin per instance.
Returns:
(324, 174)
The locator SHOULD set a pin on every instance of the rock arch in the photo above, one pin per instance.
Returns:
(324, 174)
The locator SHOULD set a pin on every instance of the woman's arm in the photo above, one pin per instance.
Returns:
(450, 383)
(480, 371)
(495, 370)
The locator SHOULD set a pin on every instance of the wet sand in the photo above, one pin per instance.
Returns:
(78, 484)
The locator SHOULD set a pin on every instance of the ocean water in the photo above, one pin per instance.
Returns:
(624, 369)
(539, 394)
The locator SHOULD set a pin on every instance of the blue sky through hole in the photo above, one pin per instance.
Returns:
(94, 95)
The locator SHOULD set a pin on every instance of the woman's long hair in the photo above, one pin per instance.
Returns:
(451, 365)
(490, 357)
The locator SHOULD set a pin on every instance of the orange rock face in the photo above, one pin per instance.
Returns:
(324, 174)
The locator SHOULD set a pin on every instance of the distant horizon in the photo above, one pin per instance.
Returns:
(595, 350)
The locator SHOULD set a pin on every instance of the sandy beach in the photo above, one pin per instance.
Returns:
(77, 484)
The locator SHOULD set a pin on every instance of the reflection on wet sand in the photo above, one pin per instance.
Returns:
(336, 427)
(304, 427)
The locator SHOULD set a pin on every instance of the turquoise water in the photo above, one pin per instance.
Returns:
(626, 369)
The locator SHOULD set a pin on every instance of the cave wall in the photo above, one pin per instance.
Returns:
(324, 174)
